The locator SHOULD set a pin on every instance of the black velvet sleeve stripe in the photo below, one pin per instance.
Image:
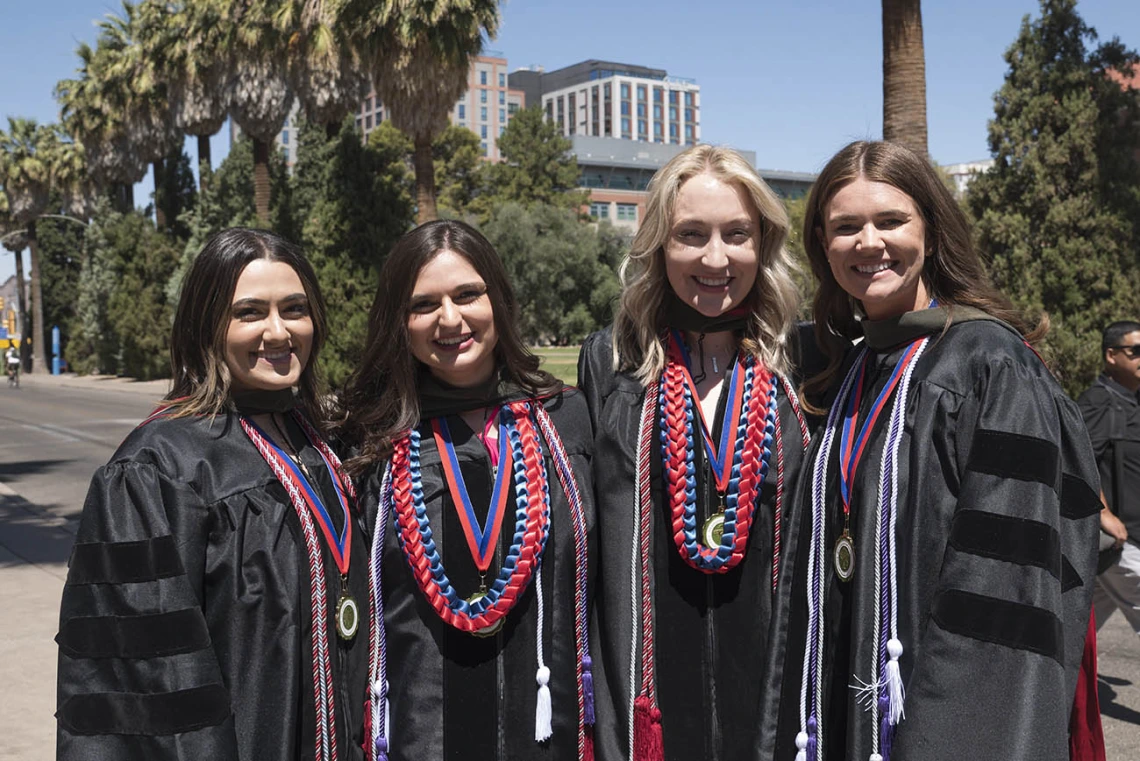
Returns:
(1002, 622)
(1012, 455)
(149, 636)
(1070, 579)
(1078, 499)
(124, 562)
(129, 713)
(1014, 540)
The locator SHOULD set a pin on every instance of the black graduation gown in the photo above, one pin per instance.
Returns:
(711, 629)
(185, 626)
(457, 697)
(996, 536)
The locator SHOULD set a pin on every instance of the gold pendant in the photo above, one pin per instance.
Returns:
(486, 631)
(844, 556)
(712, 531)
(347, 616)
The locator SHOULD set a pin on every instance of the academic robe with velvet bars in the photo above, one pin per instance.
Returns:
(185, 627)
(711, 629)
(996, 531)
(454, 696)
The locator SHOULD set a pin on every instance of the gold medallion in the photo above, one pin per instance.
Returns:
(347, 617)
(712, 531)
(844, 557)
(486, 631)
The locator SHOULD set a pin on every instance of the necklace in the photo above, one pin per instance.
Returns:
(290, 449)
(739, 461)
(522, 464)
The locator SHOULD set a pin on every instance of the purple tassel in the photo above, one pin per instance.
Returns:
(813, 739)
(381, 749)
(587, 690)
(886, 735)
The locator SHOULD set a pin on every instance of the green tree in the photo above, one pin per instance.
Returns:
(177, 194)
(60, 256)
(563, 270)
(352, 202)
(904, 75)
(1058, 212)
(459, 168)
(421, 56)
(93, 347)
(537, 165)
(805, 284)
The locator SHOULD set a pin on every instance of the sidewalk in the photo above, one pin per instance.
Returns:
(155, 389)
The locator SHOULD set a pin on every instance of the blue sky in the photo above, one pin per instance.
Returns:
(792, 80)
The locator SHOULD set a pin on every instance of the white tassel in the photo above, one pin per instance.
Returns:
(895, 693)
(874, 757)
(542, 729)
(801, 746)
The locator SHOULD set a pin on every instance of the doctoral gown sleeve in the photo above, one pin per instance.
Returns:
(996, 671)
(595, 372)
(138, 678)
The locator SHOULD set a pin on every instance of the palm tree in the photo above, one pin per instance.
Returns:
(27, 157)
(15, 240)
(904, 75)
(183, 40)
(327, 66)
(421, 53)
(260, 93)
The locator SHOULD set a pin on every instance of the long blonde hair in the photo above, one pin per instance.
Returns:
(637, 343)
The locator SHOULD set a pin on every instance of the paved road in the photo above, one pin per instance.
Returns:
(56, 432)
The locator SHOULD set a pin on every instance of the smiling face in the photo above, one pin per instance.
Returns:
(712, 254)
(875, 241)
(1122, 364)
(451, 325)
(270, 333)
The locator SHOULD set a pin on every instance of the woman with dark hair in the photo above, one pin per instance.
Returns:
(943, 544)
(483, 645)
(219, 574)
(698, 434)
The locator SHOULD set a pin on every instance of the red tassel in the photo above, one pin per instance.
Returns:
(648, 744)
(588, 744)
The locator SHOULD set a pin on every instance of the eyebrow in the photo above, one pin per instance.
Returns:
(460, 287)
(743, 221)
(877, 214)
(255, 302)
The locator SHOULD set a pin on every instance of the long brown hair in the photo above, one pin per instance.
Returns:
(201, 384)
(953, 273)
(380, 402)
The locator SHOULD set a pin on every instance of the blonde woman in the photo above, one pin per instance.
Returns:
(698, 436)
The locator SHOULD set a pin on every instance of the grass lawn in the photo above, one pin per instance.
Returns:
(560, 361)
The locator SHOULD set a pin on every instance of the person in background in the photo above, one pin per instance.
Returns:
(1111, 410)
(217, 596)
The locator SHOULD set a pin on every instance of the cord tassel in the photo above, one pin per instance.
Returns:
(648, 744)
(895, 692)
(801, 746)
(542, 728)
(587, 690)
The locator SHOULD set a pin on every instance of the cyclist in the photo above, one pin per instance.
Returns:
(13, 358)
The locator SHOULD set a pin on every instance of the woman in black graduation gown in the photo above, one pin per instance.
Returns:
(689, 513)
(219, 574)
(477, 479)
(944, 536)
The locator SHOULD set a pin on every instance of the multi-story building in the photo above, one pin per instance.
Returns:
(606, 99)
(963, 173)
(485, 109)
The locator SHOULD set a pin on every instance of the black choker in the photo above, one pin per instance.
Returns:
(259, 402)
(681, 316)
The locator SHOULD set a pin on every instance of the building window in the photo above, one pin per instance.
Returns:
(673, 97)
(483, 113)
(688, 99)
(625, 108)
(284, 137)
(625, 131)
(657, 112)
(600, 210)
(658, 133)
(462, 124)
(689, 115)
(672, 113)
(513, 109)
(502, 114)
(482, 96)
(502, 80)
(483, 131)
(484, 146)
(368, 122)
(625, 91)
(502, 97)
(658, 95)
(502, 129)
(462, 111)
(688, 133)
(642, 129)
(673, 131)
(482, 77)
(641, 92)
(627, 212)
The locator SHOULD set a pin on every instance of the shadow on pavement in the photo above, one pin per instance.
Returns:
(28, 467)
(1108, 705)
(33, 534)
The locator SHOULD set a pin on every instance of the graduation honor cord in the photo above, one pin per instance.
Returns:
(308, 506)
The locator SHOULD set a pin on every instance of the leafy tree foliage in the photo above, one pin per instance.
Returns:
(537, 165)
(461, 173)
(1058, 214)
(564, 271)
(177, 194)
(805, 282)
(61, 254)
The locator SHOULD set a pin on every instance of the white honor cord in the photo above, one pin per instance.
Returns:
(635, 570)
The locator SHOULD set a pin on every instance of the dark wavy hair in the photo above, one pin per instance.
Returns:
(953, 272)
(201, 384)
(380, 402)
